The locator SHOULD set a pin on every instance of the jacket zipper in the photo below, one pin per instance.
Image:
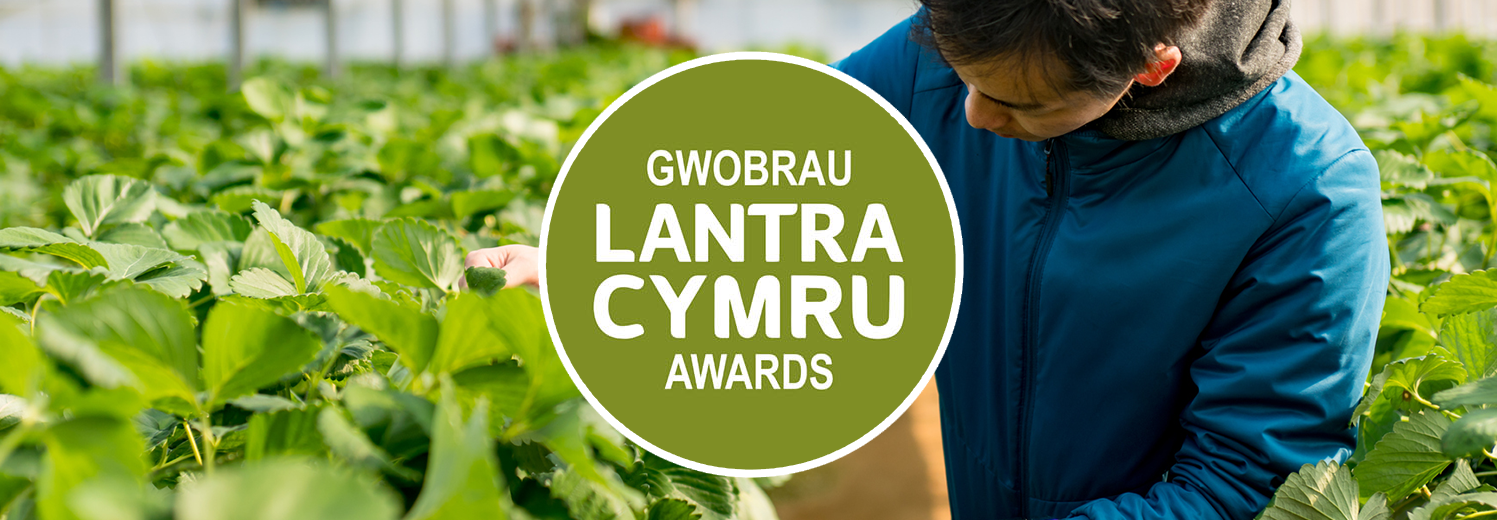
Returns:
(1057, 192)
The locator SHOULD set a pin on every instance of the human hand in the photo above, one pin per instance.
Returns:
(521, 264)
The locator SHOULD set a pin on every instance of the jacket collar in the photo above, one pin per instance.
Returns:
(1240, 48)
(1089, 150)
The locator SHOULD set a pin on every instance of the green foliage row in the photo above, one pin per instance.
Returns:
(246, 305)
(1426, 426)
(209, 298)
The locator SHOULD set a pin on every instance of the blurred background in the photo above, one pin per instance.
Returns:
(68, 31)
(64, 31)
(898, 476)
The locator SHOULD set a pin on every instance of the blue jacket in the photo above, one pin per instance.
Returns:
(1168, 332)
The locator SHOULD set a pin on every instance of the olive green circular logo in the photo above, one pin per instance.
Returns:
(750, 264)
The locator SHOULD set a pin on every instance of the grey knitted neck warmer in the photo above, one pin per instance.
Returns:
(1240, 48)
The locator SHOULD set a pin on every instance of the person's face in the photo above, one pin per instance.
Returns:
(1018, 102)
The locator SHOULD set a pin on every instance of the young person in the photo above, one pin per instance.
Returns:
(1175, 259)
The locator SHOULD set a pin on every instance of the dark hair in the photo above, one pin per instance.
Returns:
(1103, 43)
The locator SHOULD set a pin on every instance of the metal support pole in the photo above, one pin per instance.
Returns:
(109, 67)
(587, 17)
(1327, 9)
(1464, 18)
(491, 25)
(330, 17)
(1481, 18)
(684, 12)
(397, 28)
(1442, 18)
(236, 43)
(449, 36)
(577, 21)
(1379, 16)
(525, 40)
(1392, 21)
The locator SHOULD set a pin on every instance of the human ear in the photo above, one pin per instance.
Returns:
(1166, 60)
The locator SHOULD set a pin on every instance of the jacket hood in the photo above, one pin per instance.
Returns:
(1239, 48)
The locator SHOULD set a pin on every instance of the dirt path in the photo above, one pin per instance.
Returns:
(898, 476)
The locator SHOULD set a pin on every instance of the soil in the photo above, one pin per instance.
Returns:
(900, 475)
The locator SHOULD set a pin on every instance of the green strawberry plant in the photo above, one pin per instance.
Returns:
(253, 305)
(1427, 425)
(411, 399)
(212, 298)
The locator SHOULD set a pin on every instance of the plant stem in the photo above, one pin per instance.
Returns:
(167, 464)
(1393, 255)
(210, 444)
(307, 397)
(1491, 248)
(193, 441)
(521, 425)
(200, 301)
(1407, 501)
(166, 447)
(1489, 512)
(1422, 401)
(313, 383)
(1425, 402)
(34, 307)
(1429, 245)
